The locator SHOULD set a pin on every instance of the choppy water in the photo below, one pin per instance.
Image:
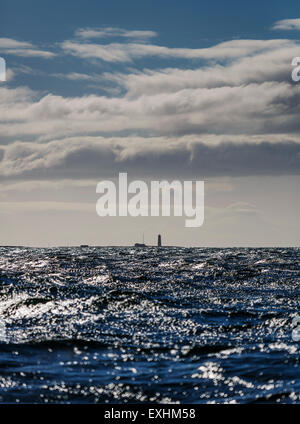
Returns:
(149, 325)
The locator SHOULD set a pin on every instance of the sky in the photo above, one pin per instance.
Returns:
(192, 90)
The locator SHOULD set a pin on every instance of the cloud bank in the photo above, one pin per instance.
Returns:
(92, 157)
(229, 109)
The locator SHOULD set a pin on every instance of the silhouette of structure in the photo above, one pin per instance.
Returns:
(140, 244)
(144, 245)
(159, 240)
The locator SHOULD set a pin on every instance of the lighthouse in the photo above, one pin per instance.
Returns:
(159, 240)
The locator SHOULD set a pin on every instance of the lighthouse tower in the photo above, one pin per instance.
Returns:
(159, 240)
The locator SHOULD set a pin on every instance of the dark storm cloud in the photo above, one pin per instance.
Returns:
(98, 158)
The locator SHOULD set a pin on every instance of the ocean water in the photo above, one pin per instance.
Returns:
(170, 325)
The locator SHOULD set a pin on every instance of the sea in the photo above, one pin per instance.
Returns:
(149, 325)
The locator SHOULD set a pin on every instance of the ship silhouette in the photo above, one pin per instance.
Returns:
(141, 244)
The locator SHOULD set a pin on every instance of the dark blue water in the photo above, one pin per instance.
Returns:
(149, 325)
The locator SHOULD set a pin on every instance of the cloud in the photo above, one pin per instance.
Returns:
(127, 52)
(239, 106)
(98, 157)
(242, 208)
(10, 46)
(43, 206)
(287, 24)
(254, 108)
(10, 74)
(108, 32)
(56, 185)
(273, 65)
(77, 76)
